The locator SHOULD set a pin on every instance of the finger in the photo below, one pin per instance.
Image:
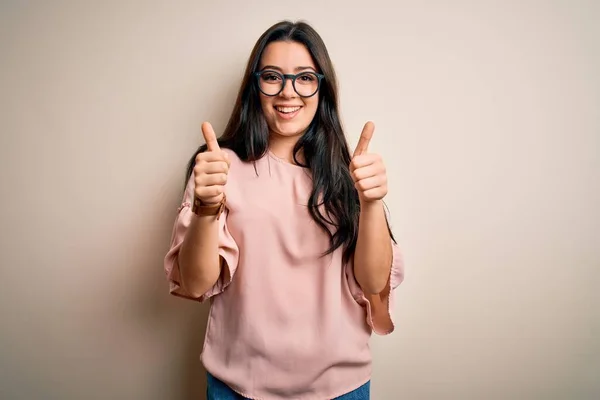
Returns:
(227, 160)
(365, 172)
(365, 138)
(212, 200)
(209, 201)
(377, 193)
(363, 161)
(211, 179)
(207, 192)
(215, 167)
(370, 183)
(212, 156)
(209, 137)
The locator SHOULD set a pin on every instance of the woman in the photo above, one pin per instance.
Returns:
(286, 233)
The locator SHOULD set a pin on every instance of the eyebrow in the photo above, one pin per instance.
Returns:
(279, 69)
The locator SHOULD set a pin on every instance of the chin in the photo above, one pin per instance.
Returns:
(290, 131)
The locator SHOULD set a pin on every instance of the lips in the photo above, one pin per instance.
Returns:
(287, 112)
(287, 109)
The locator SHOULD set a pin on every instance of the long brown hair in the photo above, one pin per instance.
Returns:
(324, 145)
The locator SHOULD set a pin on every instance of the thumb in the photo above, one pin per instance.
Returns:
(365, 138)
(209, 137)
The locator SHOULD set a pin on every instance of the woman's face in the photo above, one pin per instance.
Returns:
(288, 114)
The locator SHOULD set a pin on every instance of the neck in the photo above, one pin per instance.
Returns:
(283, 147)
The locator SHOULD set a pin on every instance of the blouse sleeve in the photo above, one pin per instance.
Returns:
(228, 250)
(379, 308)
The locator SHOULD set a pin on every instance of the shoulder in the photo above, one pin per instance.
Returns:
(233, 157)
(243, 164)
(235, 162)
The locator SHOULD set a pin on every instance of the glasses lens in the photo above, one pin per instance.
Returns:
(306, 84)
(270, 82)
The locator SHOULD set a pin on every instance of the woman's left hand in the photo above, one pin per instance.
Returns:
(368, 170)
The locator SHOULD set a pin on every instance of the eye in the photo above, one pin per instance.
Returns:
(270, 76)
(307, 77)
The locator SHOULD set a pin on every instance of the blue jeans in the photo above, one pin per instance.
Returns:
(217, 390)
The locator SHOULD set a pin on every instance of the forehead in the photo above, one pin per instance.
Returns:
(286, 55)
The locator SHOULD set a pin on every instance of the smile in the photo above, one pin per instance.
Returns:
(287, 110)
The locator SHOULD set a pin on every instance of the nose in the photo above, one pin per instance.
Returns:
(288, 89)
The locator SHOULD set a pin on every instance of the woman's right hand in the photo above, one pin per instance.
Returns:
(211, 169)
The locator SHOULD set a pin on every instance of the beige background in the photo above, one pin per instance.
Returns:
(487, 114)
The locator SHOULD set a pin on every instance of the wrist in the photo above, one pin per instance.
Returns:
(370, 205)
(200, 208)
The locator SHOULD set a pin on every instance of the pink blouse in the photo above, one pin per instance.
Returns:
(288, 323)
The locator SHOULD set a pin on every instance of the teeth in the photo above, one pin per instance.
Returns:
(287, 110)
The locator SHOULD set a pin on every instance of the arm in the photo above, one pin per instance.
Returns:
(377, 268)
(198, 258)
(373, 254)
(199, 255)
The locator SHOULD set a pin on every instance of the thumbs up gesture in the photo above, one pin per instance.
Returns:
(368, 170)
(211, 169)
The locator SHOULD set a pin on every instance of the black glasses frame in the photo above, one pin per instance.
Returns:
(285, 77)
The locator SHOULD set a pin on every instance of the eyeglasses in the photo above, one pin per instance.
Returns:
(271, 83)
